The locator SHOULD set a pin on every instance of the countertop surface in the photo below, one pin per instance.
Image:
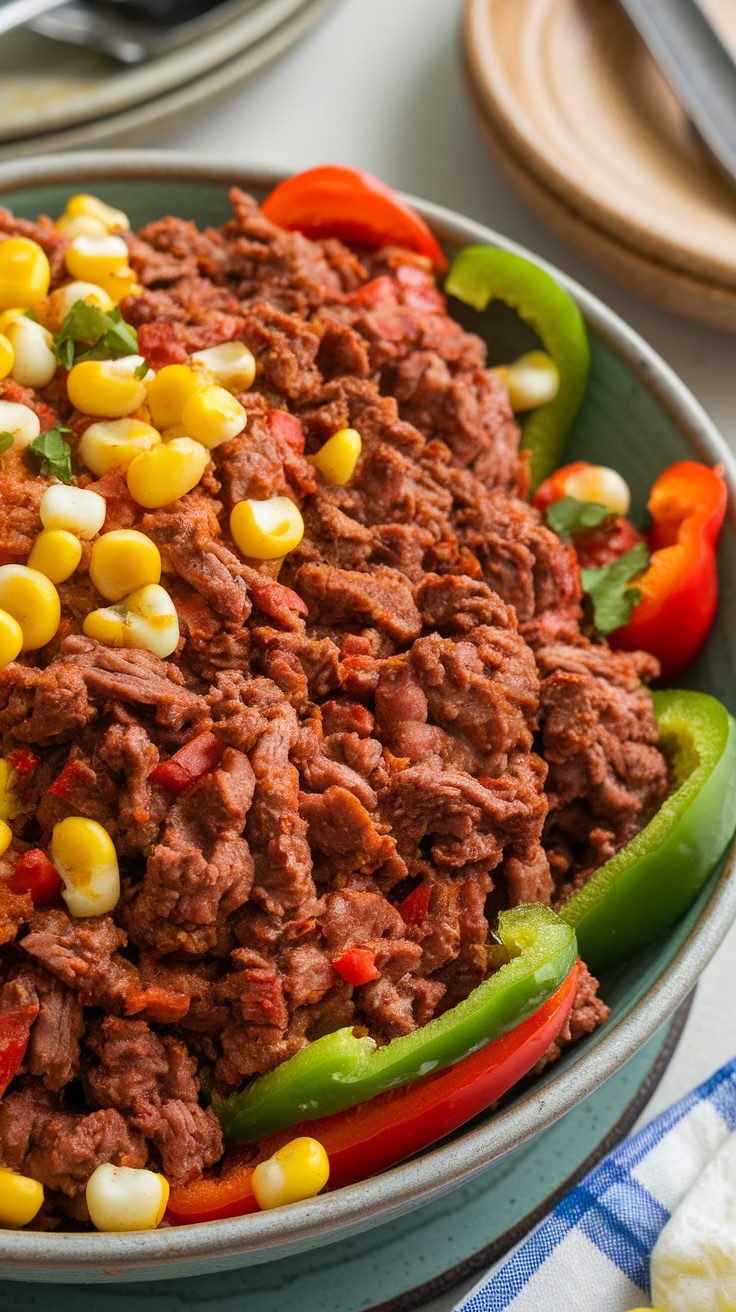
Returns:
(378, 84)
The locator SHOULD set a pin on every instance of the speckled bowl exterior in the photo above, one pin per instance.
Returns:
(637, 416)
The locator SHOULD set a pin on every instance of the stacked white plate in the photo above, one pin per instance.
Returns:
(55, 96)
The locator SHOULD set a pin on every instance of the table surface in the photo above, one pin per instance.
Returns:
(378, 84)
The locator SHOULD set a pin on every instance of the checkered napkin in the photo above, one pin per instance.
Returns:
(591, 1254)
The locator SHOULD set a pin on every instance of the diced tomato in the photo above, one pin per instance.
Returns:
(413, 910)
(274, 598)
(599, 546)
(192, 761)
(357, 966)
(158, 344)
(24, 761)
(15, 1028)
(69, 778)
(33, 873)
(287, 427)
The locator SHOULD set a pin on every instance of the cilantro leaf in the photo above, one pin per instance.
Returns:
(568, 515)
(54, 453)
(141, 369)
(6, 441)
(89, 333)
(608, 588)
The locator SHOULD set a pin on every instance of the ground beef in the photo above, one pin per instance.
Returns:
(410, 703)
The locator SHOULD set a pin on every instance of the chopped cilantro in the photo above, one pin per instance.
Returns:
(608, 588)
(6, 441)
(141, 369)
(568, 515)
(89, 333)
(54, 453)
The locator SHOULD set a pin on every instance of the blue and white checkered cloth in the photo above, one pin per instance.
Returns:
(591, 1254)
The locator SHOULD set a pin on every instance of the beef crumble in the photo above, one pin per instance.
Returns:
(412, 701)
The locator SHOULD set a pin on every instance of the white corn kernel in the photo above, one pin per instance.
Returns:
(19, 420)
(145, 619)
(601, 484)
(231, 364)
(80, 225)
(85, 857)
(35, 363)
(113, 443)
(76, 509)
(298, 1170)
(126, 1198)
(532, 380)
(55, 553)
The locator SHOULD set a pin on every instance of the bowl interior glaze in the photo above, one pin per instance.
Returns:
(637, 416)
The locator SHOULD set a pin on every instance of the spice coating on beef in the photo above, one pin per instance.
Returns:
(411, 702)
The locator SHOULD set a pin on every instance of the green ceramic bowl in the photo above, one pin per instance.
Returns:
(637, 416)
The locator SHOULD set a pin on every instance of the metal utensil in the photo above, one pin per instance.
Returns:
(16, 13)
(133, 33)
(698, 67)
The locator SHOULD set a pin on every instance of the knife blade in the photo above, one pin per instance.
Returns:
(697, 66)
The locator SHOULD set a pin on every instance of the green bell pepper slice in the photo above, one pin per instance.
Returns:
(481, 274)
(648, 885)
(342, 1069)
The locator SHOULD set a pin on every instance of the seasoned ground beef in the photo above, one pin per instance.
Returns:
(413, 701)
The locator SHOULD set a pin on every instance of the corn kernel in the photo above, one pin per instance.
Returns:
(80, 225)
(113, 443)
(108, 388)
(123, 561)
(35, 363)
(20, 1198)
(121, 283)
(55, 553)
(77, 509)
(32, 600)
(126, 1198)
(145, 619)
(6, 837)
(298, 1170)
(9, 316)
(165, 473)
(24, 272)
(19, 420)
(168, 390)
(7, 356)
(265, 530)
(212, 415)
(11, 639)
(532, 380)
(53, 310)
(85, 857)
(94, 258)
(9, 805)
(601, 484)
(231, 364)
(88, 206)
(337, 458)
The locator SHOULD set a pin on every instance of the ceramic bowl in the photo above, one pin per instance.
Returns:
(637, 416)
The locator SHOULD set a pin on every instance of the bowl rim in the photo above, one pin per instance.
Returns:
(268, 1235)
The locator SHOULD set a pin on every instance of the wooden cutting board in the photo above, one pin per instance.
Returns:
(586, 127)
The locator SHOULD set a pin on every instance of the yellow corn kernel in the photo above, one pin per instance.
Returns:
(34, 364)
(121, 283)
(108, 388)
(145, 619)
(212, 415)
(85, 857)
(53, 310)
(9, 316)
(55, 553)
(20, 1198)
(298, 1170)
(19, 420)
(113, 443)
(94, 258)
(123, 561)
(168, 391)
(126, 1198)
(6, 837)
(231, 364)
(532, 380)
(32, 600)
(76, 509)
(11, 639)
(175, 430)
(601, 484)
(9, 807)
(88, 206)
(7, 356)
(337, 458)
(24, 272)
(165, 473)
(265, 530)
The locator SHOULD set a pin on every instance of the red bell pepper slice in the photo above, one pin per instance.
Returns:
(15, 1029)
(332, 201)
(72, 775)
(33, 873)
(357, 966)
(190, 763)
(413, 909)
(275, 598)
(393, 1126)
(679, 590)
